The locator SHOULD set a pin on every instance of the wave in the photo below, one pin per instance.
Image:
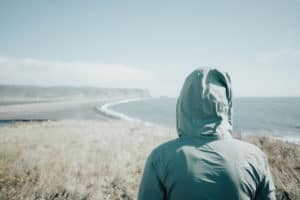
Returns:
(289, 139)
(107, 111)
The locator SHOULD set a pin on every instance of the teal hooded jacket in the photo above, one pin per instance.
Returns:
(205, 162)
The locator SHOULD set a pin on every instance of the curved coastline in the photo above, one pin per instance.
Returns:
(105, 108)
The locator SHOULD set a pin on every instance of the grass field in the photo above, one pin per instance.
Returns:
(103, 159)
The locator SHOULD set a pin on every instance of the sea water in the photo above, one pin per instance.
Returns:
(276, 116)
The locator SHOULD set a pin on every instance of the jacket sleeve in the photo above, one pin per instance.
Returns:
(151, 186)
(266, 189)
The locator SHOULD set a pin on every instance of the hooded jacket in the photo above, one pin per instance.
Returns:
(205, 162)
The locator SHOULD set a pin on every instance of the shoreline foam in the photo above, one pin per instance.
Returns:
(289, 139)
(105, 108)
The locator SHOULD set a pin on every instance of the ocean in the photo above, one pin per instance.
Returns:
(275, 116)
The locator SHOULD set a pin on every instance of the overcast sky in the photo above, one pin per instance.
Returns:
(151, 44)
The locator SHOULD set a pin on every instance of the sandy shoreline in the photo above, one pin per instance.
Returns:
(54, 110)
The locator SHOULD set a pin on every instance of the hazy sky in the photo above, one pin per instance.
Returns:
(151, 44)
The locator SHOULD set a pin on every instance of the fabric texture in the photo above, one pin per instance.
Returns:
(205, 162)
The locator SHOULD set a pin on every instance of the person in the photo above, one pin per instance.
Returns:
(205, 161)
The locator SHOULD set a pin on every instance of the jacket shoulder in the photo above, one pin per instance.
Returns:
(166, 148)
(248, 147)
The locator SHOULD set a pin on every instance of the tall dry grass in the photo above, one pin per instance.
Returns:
(74, 159)
(284, 161)
(101, 159)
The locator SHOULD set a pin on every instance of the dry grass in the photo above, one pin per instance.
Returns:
(101, 160)
(284, 160)
(74, 159)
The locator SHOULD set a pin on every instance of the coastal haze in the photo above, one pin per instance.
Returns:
(29, 103)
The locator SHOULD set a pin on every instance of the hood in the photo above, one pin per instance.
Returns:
(204, 107)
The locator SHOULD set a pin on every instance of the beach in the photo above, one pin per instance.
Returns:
(102, 158)
(53, 110)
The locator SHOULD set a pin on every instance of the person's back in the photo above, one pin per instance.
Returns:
(205, 162)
